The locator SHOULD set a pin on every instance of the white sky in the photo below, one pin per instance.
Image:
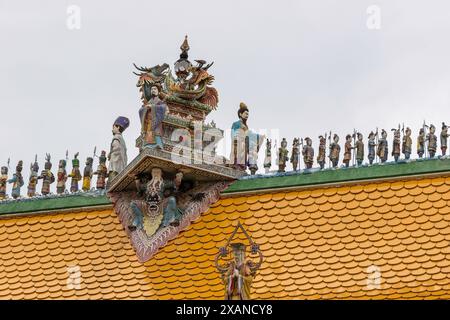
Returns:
(302, 67)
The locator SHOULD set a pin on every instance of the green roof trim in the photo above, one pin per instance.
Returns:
(53, 203)
(327, 176)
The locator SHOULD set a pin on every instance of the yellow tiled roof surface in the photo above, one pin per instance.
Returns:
(319, 243)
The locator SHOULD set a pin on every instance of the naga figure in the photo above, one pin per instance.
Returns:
(152, 114)
(3, 180)
(382, 151)
(282, 156)
(61, 177)
(268, 158)
(47, 176)
(372, 145)
(17, 180)
(33, 179)
(308, 153)
(421, 143)
(75, 174)
(407, 143)
(444, 136)
(335, 149)
(102, 171)
(159, 208)
(244, 142)
(347, 150)
(239, 275)
(322, 151)
(432, 141)
(295, 156)
(396, 144)
(359, 145)
(87, 174)
(118, 153)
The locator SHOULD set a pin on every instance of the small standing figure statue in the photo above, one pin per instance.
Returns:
(75, 174)
(102, 171)
(335, 149)
(62, 177)
(33, 179)
(17, 180)
(432, 141)
(382, 151)
(152, 114)
(347, 150)
(359, 145)
(421, 143)
(308, 153)
(295, 156)
(118, 153)
(396, 144)
(282, 156)
(322, 151)
(3, 180)
(87, 174)
(47, 176)
(444, 136)
(371, 145)
(407, 143)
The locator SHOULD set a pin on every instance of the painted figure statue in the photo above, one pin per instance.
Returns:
(382, 151)
(359, 145)
(17, 180)
(421, 143)
(3, 180)
(432, 141)
(102, 171)
(33, 179)
(444, 136)
(47, 176)
(159, 208)
(372, 145)
(335, 149)
(308, 153)
(75, 174)
(347, 150)
(282, 156)
(61, 177)
(322, 151)
(118, 153)
(87, 174)
(152, 114)
(396, 144)
(239, 276)
(244, 143)
(407, 143)
(268, 157)
(295, 156)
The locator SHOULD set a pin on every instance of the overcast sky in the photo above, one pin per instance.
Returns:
(302, 67)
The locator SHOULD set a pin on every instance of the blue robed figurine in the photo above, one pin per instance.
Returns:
(152, 115)
(17, 181)
(244, 143)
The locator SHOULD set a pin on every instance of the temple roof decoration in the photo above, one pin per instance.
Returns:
(318, 243)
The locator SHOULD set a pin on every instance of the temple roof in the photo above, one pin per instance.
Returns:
(319, 242)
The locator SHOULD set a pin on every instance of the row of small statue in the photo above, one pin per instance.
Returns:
(355, 141)
(48, 178)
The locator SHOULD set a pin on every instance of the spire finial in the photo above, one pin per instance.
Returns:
(185, 45)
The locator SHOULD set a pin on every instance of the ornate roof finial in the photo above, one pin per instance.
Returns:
(184, 48)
